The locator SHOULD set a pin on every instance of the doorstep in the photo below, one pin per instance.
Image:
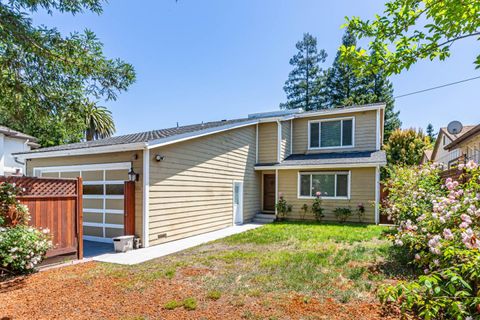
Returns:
(160, 250)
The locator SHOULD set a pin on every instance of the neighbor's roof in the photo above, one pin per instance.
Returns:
(428, 154)
(464, 135)
(19, 135)
(359, 158)
(136, 141)
(452, 137)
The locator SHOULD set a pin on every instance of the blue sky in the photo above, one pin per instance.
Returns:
(216, 59)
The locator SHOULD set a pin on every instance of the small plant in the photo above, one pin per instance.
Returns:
(190, 304)
(214, 295)
(360, 212)
(317, 207)
(283, 208)
(305, 210)
(342, 214)
(172, 304)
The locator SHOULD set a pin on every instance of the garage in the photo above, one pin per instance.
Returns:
(103, 196)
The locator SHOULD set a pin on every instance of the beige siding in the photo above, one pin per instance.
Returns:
(267, 142)
(362, 191)
(191, 190)
(97, 159)
(471, 147)
(365, 132)
(285, 142)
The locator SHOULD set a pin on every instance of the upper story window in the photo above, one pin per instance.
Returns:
(336, 133)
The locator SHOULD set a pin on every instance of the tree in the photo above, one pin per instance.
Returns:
(409, 31)
(431, 133)
(406, 147)
(99, 122)
(303, 87)
(48, 79)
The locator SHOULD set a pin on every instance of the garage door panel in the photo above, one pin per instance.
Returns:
(116, 204)
(73, 174)
(92, 175)
(116, 175)
(96, 217)
(114, 189)
(93, 203)
(113, 232)
(93, 231)
(92, 189)
(111, 218)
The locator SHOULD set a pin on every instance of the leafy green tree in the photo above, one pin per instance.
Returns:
(431, 133)
(47, 79)
(409, 31)
(406, 147)
(99, 122)
(305, 81)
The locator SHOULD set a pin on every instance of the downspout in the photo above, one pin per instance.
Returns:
(146, 197)
(377, 194)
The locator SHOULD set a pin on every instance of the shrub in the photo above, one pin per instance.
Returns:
(342, 214)
(439, 228)
(172, 304)
(12, 213)
(317, 207)
(214, 295)
(283, 208)
(190, 304)
(305, 210)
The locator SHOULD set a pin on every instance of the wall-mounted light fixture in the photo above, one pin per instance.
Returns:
(132, 175)
(159, 157)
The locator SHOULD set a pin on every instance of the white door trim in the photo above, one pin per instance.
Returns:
(237, 208)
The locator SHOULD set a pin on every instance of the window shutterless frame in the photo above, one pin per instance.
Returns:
(320, 133)
(349, 184)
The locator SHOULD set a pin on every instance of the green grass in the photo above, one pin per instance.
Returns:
(316, 260)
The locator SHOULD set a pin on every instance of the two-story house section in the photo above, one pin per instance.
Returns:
(199, 178)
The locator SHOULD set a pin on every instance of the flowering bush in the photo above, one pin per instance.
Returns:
(317, 207)
(21, 247)
(283, 208)
(439, 226)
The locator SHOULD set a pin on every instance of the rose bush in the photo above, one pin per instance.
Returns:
(21, 247)
(439, 227)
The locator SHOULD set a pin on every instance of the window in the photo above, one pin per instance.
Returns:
(331, 133)
(330, 185)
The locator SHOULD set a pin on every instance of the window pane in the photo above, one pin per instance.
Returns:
(314, 142)
(330, 133)
(323, 183)
(305, 185)
(342, 185)
(114, 189)
(93, 189)
(347, 132)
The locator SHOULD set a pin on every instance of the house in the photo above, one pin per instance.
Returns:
(440, 154)
(12, 141)
(468, 144)
(199, 178)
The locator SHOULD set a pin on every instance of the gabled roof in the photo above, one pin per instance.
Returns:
(452, 137)
(464, 135)
(19, 135)
(156, 138)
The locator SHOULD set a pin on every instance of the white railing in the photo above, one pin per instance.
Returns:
(448, 158)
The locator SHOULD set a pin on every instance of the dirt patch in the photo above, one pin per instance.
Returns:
(194, 272)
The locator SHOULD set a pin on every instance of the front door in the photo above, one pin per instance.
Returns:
(269, 192)
(238, 202)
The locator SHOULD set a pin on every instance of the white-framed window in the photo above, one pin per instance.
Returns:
(331, 185)
(331, 133)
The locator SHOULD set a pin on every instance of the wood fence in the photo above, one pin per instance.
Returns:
(55, 204)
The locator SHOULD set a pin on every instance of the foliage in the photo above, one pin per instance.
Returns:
(317, 208)
(47, 78)
(439, 227)
(342, 214)
(283, 208)
(409, 31)
(99, 122)
(305, 210)
(12, 213)
(360, 212)
(431, 133)
(406, 147)
(305, 80)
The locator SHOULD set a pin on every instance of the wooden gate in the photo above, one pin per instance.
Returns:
(55, 204)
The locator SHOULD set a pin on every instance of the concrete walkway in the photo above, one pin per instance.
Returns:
(153, 252)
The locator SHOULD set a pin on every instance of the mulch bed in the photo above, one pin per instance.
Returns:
(65, 293)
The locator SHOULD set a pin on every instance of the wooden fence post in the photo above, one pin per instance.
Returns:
(79, 218)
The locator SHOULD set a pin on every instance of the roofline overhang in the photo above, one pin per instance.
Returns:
(322, 166)
(471, 133)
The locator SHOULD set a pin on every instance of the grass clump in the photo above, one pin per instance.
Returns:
(172, 304)
(190, 304)
(214, 295)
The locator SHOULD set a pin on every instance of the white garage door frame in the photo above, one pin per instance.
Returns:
(94, 167)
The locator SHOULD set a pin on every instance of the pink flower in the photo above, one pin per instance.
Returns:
(447, 233)
(471, 165)
(280, 194)
(470, 240)
(417, 256)
(318, 194)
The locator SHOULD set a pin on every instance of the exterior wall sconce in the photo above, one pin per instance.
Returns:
(132, 175)
(159, 157)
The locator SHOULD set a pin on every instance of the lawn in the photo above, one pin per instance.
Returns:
(278, 271)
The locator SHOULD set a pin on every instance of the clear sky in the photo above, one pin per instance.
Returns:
(203, 60)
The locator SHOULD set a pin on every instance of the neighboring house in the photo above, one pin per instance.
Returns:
(468, 145)
(442, 155)
(12, 141)
(199, 178)
(427, 156)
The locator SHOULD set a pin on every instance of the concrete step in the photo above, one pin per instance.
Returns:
(265, 216)
(262, 221)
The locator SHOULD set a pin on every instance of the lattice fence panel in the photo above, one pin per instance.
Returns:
(44, 186)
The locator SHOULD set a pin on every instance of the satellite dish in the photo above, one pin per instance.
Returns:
(455, 127)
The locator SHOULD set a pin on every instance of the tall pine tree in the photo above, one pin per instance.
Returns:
(305, 81)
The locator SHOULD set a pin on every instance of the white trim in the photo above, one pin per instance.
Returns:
(339, 111)
(197, 134)
(82, 151)
(323, 166)
(101, 196)
(276, 191)
(256, 144)
(146, 197)
(85, 167)
(98, 239)
(291, 136)
(279, 141)
(100, 182)
(336, 173)
(109, 211)
(320, 121)
(378, 135)
(103, 225)
(240, 201)
(377, 195)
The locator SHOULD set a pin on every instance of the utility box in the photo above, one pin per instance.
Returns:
(123, 243)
